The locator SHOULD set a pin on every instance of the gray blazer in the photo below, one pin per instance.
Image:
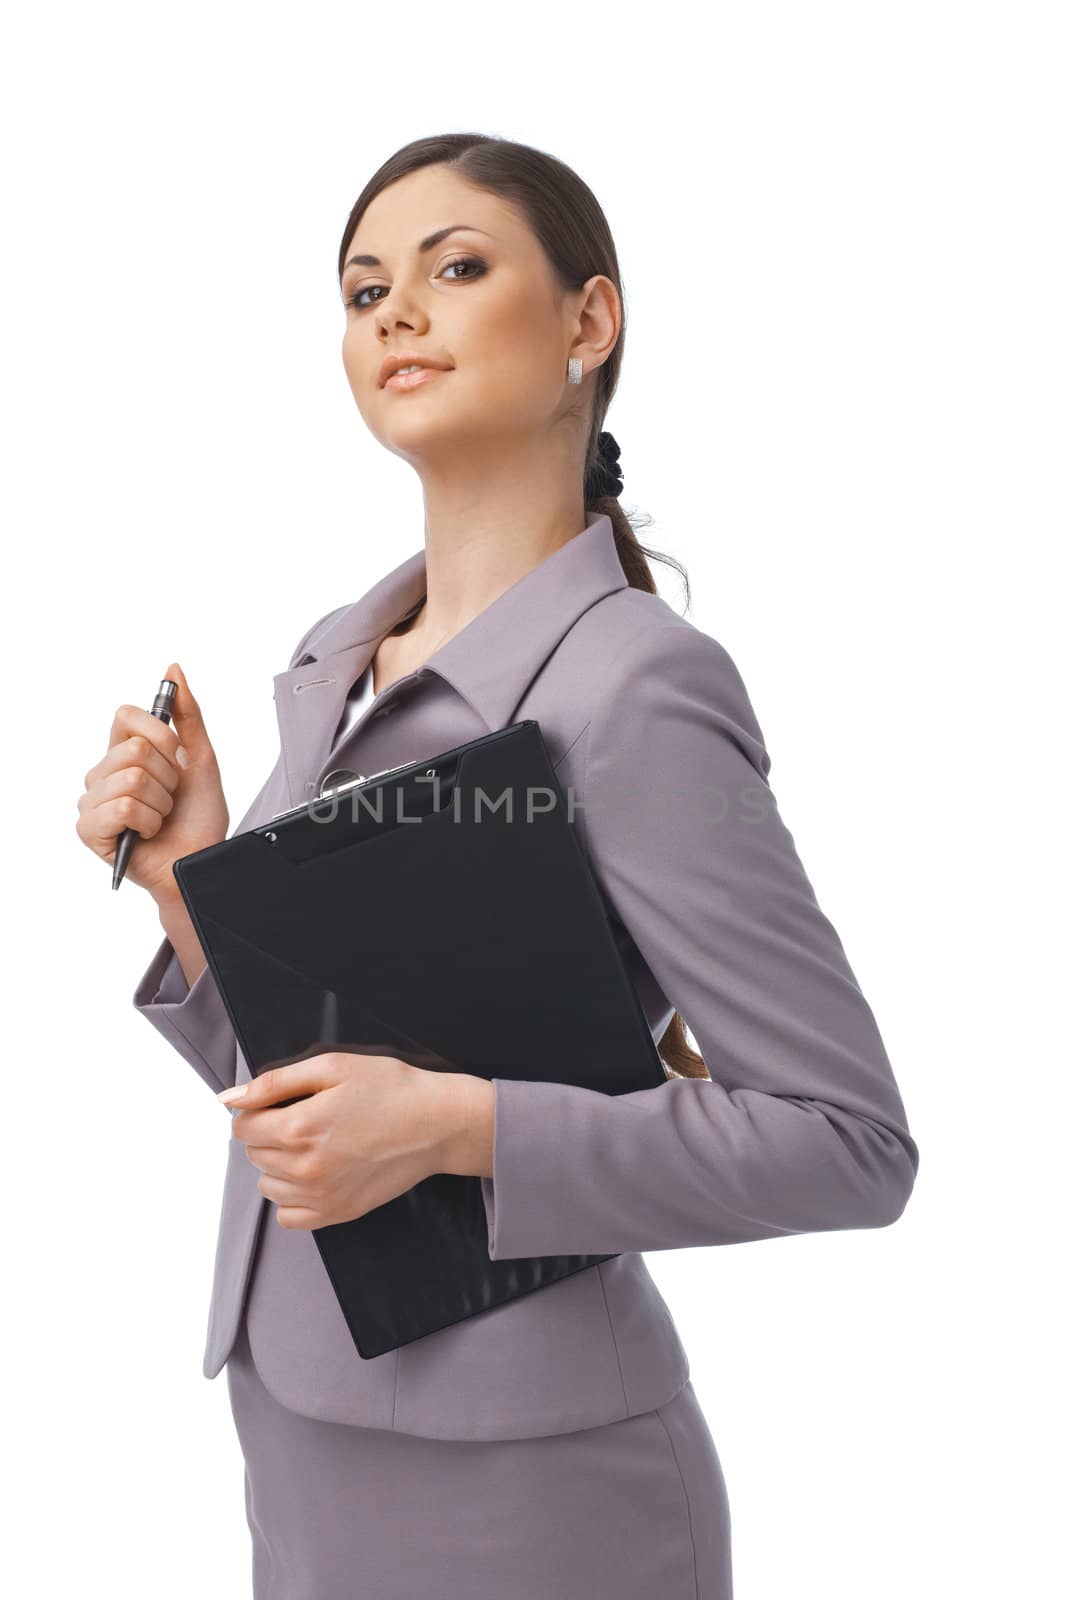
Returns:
(801, 1128)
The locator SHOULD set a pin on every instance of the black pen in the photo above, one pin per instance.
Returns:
(162, 706)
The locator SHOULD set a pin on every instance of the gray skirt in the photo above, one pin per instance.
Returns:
(629, 1510)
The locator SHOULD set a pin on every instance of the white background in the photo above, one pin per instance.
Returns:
(841, 234)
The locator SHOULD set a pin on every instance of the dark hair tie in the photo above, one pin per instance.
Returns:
(605, 474)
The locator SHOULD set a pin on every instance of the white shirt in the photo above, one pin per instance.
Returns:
(359, 698)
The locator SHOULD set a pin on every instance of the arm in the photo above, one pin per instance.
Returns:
(802, 1128)
(178, 926)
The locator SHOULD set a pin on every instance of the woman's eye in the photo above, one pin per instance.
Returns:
(353, 299)
(467, 261)
(475, 263)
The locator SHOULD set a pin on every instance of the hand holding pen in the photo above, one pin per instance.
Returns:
(161, 708)
(158, 786)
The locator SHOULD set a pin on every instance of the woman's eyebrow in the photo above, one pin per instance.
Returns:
(428, 243)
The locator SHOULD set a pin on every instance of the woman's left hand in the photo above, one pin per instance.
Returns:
(372, 1128)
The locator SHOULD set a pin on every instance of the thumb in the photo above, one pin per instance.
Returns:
(186, 718)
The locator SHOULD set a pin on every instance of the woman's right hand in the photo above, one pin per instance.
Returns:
(163, 781)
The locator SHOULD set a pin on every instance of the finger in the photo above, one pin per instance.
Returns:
(135, 751)
(113, 817)
(132, 719)
(280, 1083)
(136, 781)
(271, 1127)
(281, 1191)
(301, 1217)
(276, 1160)
(187, 718)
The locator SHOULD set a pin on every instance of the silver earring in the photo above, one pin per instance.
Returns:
(574, 369)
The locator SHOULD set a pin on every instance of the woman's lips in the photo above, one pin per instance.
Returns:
(411, 380)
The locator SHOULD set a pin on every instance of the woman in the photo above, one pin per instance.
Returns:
(553, 1445)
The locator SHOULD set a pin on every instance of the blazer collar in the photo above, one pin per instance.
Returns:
(492, 660)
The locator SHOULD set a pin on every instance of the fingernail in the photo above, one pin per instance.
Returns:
(181, 756)
(228, 1095)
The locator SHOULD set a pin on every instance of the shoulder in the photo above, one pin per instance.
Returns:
(663, 680)
(673, 768)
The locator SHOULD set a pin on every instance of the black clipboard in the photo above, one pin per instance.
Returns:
(402, 915)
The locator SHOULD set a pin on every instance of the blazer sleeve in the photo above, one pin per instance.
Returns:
(193, 1020)
(801, 1128)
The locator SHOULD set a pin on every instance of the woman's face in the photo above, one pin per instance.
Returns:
(484, 302)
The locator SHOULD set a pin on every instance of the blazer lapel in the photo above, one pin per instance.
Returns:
(309, 698)
(309, 702)
(490, 662)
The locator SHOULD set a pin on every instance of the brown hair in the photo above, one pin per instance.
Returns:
(565, 215)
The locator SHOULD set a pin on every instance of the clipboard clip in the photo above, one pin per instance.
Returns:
(343, 778)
